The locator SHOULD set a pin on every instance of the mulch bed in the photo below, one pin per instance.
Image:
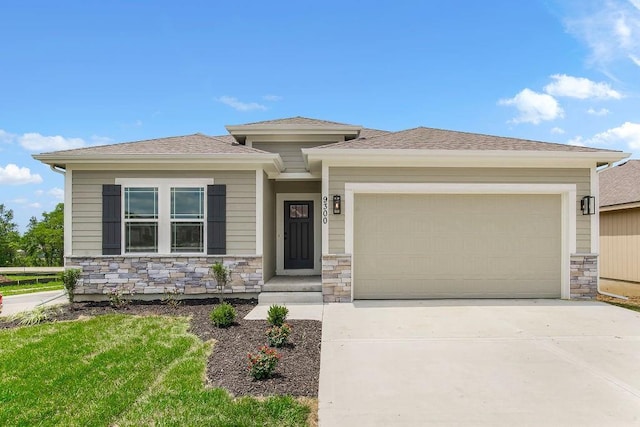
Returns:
(297, 372)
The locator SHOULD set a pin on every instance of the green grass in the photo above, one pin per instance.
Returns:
(31, 277)
(28, 289)
(121, 370)
(624, 305)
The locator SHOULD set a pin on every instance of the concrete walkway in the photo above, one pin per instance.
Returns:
(16, 304)
(491, 363)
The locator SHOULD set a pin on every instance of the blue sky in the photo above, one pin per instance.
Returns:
(79, 73)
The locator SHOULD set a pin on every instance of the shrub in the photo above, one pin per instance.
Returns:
(277, 335)
(223, 315)
(277, 314)
(69, 281)
(171, 298)
(221, 273)
(32, 317)
(263, 363)
(118, 298)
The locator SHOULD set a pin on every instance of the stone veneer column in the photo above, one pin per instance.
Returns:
(584, 276)
(162, 274)
(336, 278)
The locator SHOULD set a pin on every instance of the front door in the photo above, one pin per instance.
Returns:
(298, 235)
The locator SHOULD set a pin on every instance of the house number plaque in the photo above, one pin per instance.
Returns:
(325, 209)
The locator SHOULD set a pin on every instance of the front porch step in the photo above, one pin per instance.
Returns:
(290, 297)
(274, 286)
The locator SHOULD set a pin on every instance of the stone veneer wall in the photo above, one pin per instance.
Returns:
(336, 278)
(584, 276)
(163, 274)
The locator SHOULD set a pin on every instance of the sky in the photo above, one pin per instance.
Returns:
(80, 73)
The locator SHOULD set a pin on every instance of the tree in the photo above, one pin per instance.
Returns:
(44, 240)
(9, 238)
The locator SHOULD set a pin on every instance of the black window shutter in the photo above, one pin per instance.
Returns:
(216, 219)
(111, 220)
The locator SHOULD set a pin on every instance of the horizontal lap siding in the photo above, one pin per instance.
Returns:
(87, 206)
(338, 176)
(620, 245)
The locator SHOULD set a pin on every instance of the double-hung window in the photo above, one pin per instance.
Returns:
(164, 216)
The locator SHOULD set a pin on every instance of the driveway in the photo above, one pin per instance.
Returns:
(479, 362)
(16, 304)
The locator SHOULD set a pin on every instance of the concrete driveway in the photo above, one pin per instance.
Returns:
(479, 362)
(16, 304)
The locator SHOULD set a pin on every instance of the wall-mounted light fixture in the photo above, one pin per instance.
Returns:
(337, 205)
(588, 205)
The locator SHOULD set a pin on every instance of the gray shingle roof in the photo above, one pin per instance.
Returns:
(188, 144)
(422, 138)
(298, 120)
(620, 184)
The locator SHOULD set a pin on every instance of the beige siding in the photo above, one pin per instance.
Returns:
(289, 151)
(507, 246)
(87, 206)
(580, 177)
(620, 245)
(269, 227)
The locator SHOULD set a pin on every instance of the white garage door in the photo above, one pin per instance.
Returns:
(456, 246)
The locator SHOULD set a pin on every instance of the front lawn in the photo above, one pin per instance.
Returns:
(122, 370)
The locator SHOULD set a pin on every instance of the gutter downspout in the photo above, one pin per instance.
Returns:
(600, 291)
(60, 171)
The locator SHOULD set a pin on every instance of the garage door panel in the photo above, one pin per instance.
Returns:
(448, 246)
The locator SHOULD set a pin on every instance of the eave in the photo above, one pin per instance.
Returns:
(314, 158)
(271, 163)
(240, 132)
(621, 206)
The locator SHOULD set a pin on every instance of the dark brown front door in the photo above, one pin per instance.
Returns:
(298, 235)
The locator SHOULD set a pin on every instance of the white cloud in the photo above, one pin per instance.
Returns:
(578, 141)
(36, 142)
(627, 133)
(579, 87)
(38, 193)
(239, 105)
(600, 112)
(6, 137)
(534, 107)
(12, 174)
(611, 29)
(35, 205)
(557, 130)
(20, 201)
(101, 140)
(635, 59)
(272, 98)
(57, 193)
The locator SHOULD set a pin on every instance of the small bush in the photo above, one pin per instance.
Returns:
(118, 298)
(221, 273)
(33, 317)
(277, 335)
(263, 363)
(223, 315)
(70, 280)
(277, 314)
(171, 298)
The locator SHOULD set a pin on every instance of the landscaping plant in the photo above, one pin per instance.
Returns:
(32, 317)
(277, 314)
(70, 280)
(277, 335)
(221, 273)
(263, 363)
(118, 298)
(223, 315)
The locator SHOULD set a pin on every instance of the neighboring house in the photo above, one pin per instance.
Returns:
(620, 228)
(420, 213)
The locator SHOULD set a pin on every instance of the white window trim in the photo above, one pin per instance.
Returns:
(164, 186)
(567, 192)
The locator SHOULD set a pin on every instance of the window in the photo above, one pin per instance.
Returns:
(164, 216)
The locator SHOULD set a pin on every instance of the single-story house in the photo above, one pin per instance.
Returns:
(620, 228)
(419, 213)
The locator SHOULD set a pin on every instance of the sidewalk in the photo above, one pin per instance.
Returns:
(16, 304)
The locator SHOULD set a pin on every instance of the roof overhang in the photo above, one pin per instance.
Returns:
(270, 162)
(621, 206)
(240, 132)
(316, 157)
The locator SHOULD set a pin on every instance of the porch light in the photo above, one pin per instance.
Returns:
(588, 205)
(337, 205)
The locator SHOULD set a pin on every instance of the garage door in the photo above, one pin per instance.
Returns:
(456, 246)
